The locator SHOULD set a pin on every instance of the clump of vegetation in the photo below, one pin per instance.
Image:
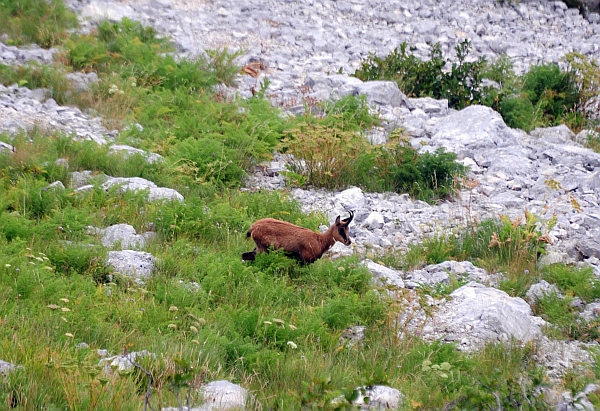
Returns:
(46, 23)
(461, 85)
(544, 96)
(334, 158)
(498, 245)
(576, 287)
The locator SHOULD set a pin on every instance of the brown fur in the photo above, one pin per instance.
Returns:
(300, 242)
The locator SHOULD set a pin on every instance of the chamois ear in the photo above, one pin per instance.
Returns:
(337, 220)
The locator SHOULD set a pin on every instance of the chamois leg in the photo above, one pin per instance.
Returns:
(250, 255)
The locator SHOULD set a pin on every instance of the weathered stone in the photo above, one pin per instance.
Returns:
(125, 235)
(541, 289)
(140, 184)
(136, 264)
(383, 276)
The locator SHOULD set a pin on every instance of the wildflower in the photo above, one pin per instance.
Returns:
(292, 344)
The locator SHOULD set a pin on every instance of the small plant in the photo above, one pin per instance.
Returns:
(324, 155)
(586, 76)
(182, 382)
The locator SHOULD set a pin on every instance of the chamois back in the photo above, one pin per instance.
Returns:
(299, 242)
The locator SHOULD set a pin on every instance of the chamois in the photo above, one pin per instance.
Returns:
(299, 242)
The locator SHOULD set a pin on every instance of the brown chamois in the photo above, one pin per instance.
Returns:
(299, 242)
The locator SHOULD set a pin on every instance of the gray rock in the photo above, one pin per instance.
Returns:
(381, 93)
(552, 257)
(383, 276)
(353, 336)
(136, 264)
(123, 362)
(379, 397)
(123, 234)
(374, 220)
(140, 184)
(591, 312)
(56, 185)
(350, 199)
(472, 128)
(80, 178)
(477, 315)
(129, 151)
(541, 289)
(222, 396)
(559, 134)
(6, 367)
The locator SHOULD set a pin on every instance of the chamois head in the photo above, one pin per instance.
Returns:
(340, 229)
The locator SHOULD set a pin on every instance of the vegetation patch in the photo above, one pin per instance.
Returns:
(544, 96)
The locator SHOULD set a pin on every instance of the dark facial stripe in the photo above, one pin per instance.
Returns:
(342, 233)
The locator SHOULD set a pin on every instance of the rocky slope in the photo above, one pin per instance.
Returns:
(303, 46)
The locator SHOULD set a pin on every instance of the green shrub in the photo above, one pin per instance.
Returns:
(332, 158)
(498, 245)
(519, 112)
(586, 76)
(324, 155)
(349, 113)
(564, 319)
(461, 85)
(32, 76)
(551, 90)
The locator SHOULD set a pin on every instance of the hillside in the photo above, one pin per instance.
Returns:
(142, 140)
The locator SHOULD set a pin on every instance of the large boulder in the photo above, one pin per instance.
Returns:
(477, 315)
(472, 128)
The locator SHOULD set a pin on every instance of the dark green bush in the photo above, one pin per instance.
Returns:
(417, 78)
(551, 90)
(519, 112)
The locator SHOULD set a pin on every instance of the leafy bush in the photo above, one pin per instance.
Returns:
(429, 176)
(580, 282)
(35, 76)
(324, 155)
(551, 90)
(519, 112)
(509, 246)
(586, 76)
(333, 158)
(461, 85)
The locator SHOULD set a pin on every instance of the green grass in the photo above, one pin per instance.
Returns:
(235, 324)
(46, 23)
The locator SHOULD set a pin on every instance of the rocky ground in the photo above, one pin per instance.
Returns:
(306, 48)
